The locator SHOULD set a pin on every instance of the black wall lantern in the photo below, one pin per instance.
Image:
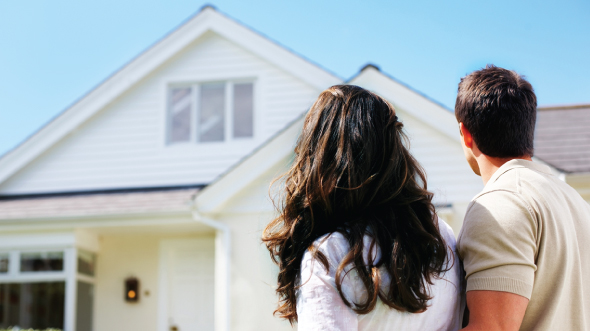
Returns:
(132, 289)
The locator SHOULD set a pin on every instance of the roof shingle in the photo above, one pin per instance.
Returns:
(562, 137)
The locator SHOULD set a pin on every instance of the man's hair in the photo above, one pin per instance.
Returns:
(499, 108)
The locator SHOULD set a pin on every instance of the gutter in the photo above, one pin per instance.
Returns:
(222, 270)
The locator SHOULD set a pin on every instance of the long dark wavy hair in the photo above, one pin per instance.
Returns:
(352, 174)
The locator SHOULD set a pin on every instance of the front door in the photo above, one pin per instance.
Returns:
(186, 284)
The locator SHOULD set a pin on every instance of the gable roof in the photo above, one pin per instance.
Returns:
(212, 198)
(562, 137)
(208, 19)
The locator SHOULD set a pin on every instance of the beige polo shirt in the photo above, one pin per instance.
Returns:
(528, 233)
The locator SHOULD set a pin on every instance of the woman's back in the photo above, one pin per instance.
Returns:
(320, 307)
(353, 174)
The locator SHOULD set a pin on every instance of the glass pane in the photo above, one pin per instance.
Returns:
(211, 113)
(4, 258)
(179, 115)
(42, 261)
(32, 305)
(86, 262)
(84, 303)
(243, 110)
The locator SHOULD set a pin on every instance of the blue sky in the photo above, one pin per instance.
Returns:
(53, 52)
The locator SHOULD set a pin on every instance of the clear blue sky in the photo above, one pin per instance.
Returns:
(53, 52)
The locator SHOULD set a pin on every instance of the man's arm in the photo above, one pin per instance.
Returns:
(495, 311)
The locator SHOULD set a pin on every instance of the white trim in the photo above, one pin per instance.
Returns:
(207, 20)
(96, 221)
(37, 241)
(71, 270)
(35, 277)
(228, 109)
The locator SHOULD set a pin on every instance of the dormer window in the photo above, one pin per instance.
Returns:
(210, 112)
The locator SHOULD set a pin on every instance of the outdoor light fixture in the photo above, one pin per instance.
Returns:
(132, 289)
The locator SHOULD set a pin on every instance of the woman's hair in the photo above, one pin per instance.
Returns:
(352, 174)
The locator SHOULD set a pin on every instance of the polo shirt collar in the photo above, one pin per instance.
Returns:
(519, 163)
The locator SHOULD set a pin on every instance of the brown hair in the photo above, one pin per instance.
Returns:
(499, 108)
(352, 174)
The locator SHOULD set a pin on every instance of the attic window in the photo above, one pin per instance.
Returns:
(212, 112)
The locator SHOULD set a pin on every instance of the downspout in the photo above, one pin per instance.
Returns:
(222, 270)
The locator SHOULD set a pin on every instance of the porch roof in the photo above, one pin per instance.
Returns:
(98, 204)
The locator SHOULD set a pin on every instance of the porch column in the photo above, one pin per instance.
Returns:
(222, 271)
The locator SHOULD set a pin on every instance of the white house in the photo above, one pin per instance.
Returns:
(141, 206)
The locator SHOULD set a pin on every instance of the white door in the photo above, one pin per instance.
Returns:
(186, 285)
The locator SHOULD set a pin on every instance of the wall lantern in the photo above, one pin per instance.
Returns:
(132, 289)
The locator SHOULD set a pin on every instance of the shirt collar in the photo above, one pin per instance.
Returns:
(519, 163)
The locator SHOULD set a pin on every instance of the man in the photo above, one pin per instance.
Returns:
(525, 239)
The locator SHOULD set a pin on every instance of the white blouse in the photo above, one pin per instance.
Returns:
(319, 306)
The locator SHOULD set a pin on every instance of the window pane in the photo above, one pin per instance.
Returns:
(4, 263)
(84, 303)
(211, 113)
(179, 115)
(243, 110)
(42, 261)
(86, 262)
(32, 305)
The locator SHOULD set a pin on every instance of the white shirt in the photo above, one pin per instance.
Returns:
(320, 307)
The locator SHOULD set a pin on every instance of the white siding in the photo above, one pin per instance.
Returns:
(123, 146)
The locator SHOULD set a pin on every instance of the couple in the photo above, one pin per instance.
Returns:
(359, 245)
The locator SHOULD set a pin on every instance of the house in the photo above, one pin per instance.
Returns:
(141, 206)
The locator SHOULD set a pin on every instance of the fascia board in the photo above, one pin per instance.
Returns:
(97, 221)
(212, 198)
(411, 102)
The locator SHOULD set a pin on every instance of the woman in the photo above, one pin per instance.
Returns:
(357, 241)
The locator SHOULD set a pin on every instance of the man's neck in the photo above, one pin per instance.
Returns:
(489, 165)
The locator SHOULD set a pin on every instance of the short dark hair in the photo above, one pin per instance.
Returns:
(499, 108)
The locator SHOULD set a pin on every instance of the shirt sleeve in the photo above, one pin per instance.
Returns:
(319, 305)
(498, 244)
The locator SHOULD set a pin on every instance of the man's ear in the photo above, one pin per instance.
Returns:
(466, 136)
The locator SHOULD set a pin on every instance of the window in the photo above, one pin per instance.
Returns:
(210, 112)
(42, 261)
(4, 263)
(86, 262)
(38, 305)
(33, 283)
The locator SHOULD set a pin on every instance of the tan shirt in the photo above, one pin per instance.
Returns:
(528, 233)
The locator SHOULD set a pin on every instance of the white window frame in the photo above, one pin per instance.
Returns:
(228, 111)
